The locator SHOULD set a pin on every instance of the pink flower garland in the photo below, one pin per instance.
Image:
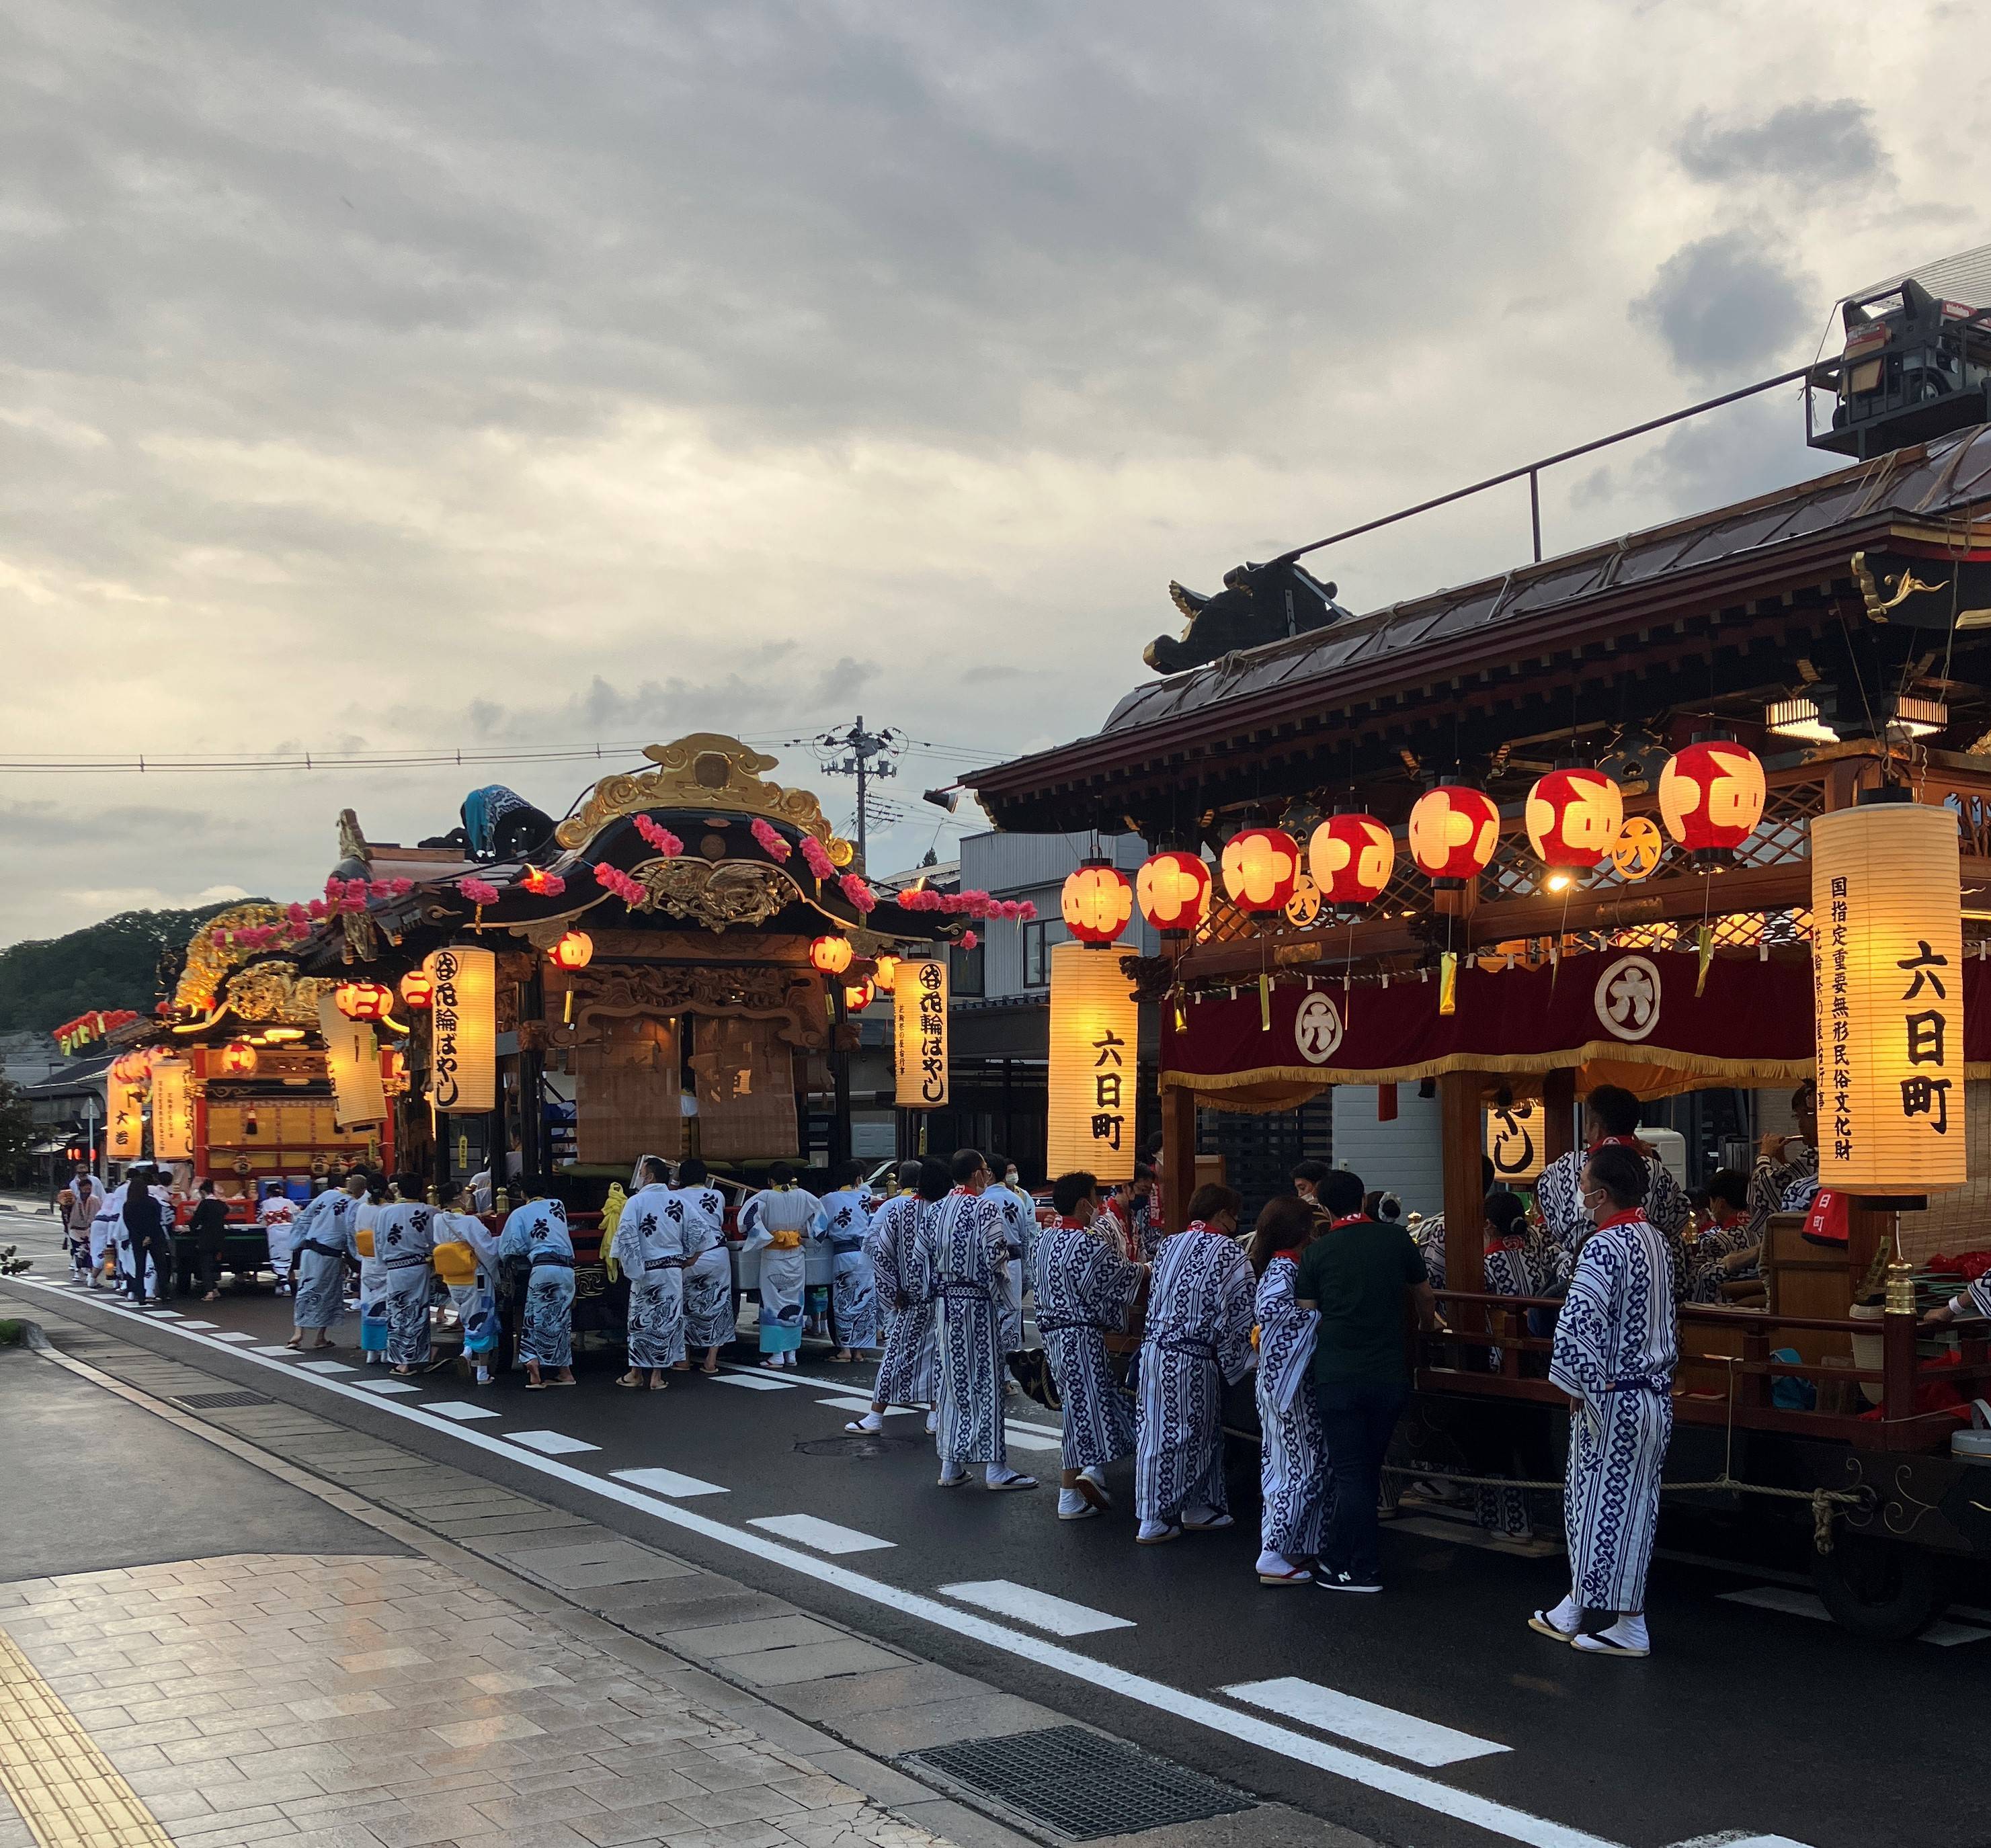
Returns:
(774, 843)
(659, 836)
(613, 879)
(816, 858)
(863, 899)
(969, 940)
(478, 891)
(977, 905)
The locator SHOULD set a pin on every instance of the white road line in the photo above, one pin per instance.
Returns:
(1794, 1603)
(200, 1325)
(1226, 1722)
(454, 1409)
(756, 1382)
(386, 1389)
(1022, 1437)
(824, 1536)
(169, 1315)
(669, 1481)
(847, 1403)
(325, 1366)
(223, 1338)
(549, 1443)
(1402, 1735)
(282, 1354)
(1059, 1615)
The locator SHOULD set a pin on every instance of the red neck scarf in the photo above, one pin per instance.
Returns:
(1624, 1218)
(1293, 1253)
(1335, 1225)
(1614, 1142)
(1199, 1225)
(1074, 1225)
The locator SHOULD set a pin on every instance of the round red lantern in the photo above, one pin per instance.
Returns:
(1260, 867)
(418, 991)
(1173, 891)
(130, 1068)
(575, 950)
(857, 998)
(1573, 818)
(1351, 857)
(885, 967)
(1097, 903)
(1711, 796)
(363, 1000)
(830, 955)
(237, 1059)
(1453, 832)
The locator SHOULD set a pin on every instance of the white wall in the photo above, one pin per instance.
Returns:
(1405, 1156)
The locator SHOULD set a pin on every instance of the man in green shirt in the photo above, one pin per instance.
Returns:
(1357, 1274)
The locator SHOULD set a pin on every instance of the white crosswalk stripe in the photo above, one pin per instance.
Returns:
(1040, 1609)
(549, 1443)
(667, 1482)
(822, 1536)
(1401, 1735)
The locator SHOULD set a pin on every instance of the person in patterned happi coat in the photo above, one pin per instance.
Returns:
(1784, 1179)
(1609, 1120)
(454, 1223)
(960, 1264)
(404, 1244)
(1615, 1350)
(321, 1250)
(776, 1221)
(1019, 1214)
(1084, 1288)
(1507, 1271)
(711, 1320)
(277, 1216)
(104, 1223)
(649, 1250)
(1296, 1488)
(535, 1240)
(906, 1373)
(1198, 1337)
(840, 1228)
(1729, 1242)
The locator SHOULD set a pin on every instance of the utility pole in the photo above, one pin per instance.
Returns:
(870, 754)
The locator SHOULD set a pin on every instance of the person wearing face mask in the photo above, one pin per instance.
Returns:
(1615, 1350)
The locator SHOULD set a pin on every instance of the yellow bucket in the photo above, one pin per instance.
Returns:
(455, 1262)
(362, 1240)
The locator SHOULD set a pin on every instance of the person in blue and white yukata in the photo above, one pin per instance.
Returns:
(906, 1373)
(104, 1223)
(1297, 1489)
(536, 1238)
(1615, 1350)
(372, 1274)
(649, 1249)
(1019, 1214)
(404, 1238)
(1784, 1179)
(776, 1221)
(322, 1252)
(960, 1264)
(277, 1216)
(1610, 1121)
(1085, 1287)
(840, 1230)
(711, 1320)
(1198, 1337)
(454, 1223)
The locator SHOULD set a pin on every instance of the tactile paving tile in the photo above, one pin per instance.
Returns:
(66, 1789)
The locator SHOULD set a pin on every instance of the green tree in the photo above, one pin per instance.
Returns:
(17, 1132)
(112, 964)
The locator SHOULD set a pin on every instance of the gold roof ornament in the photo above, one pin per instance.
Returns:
(258, 989)
(705, 770)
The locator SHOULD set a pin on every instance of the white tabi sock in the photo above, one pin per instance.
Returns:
(1566, 1616)
(1071, 1502)
(932, 1422)
(1094, 1474)
(1629, 1631)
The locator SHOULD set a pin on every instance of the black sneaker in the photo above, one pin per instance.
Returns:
(1330, 1580)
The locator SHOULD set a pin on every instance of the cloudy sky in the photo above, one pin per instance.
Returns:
(421, 377)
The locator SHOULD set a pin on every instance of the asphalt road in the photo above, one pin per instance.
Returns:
(1429, 1715)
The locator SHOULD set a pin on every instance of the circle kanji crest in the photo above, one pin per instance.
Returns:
(1627, 998)
(1317, 1029)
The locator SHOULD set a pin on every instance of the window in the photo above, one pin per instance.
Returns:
(963, 970)
(1037, 941)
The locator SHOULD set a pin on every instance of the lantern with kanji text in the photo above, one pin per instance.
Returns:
(417, 990)
(1260, 867)
(363, 1000)
(884, 971)
(1711, 796)
(574, 950)
(1573, 817)
(1351, 857)
(831, 955)
(237, 1059)
(1173, 891)
(1454, 830)
(857, 997)
(1097, 903)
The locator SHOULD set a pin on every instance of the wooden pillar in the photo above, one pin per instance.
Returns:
(1867, 1229)
(1177, 1155)
(1461, 1119)
(532, 1152)
(1558, 1113)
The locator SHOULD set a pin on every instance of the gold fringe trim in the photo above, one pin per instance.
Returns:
(1316, 1077)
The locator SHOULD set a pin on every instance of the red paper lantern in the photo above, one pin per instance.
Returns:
(418, 991)
(363, 1000)
(237, 1059)
(1351, 857)
(857, 998)
(886, 971)
(1173, 891)
(575, 950)
(1453, 832)
(1573, 817)
(1711, 796)
(1097, 903)
(1259, 866)
(830, 955)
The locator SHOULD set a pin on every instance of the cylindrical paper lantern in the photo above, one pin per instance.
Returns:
(1097, 903)
(1351, 857)
(1173, 889)
(172, 1110)
(463, 1039)
(1573, 817)
(1887, 967)
(1095, 1035)
(1259, 866)
(919, 1034)
(831, 955)
(1711, 796)
(1453, 832)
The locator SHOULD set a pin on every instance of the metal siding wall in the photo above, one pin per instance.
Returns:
(1405, 1156)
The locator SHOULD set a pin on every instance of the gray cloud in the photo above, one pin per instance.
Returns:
(1815, 143)
(1726, 303)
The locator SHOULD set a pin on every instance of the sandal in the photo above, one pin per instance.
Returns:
(660, 1385)
(627, 1379)
(1540, 1625)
